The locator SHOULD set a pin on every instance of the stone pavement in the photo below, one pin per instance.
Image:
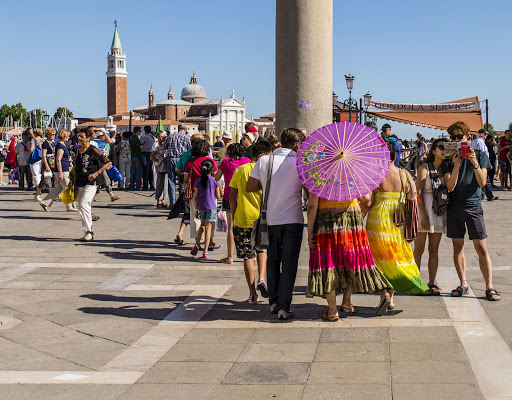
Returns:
(132, 316)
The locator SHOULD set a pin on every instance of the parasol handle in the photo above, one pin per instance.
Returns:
(382, 140)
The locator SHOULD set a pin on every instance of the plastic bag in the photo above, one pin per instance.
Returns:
(68, 196)
(14, 175)
(114, 174)
(222, 222)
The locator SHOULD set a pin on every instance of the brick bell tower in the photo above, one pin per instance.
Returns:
(116, 77)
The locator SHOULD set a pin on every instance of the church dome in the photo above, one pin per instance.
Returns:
(193, 91)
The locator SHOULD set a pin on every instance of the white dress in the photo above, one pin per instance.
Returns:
(437, 223)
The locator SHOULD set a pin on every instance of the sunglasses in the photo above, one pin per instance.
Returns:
(460, 137)
(440, 147)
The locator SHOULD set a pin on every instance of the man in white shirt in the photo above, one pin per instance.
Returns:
(479, 144)
(285, 219)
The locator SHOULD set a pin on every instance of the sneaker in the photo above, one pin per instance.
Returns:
(95, 217)
(253, 299)
(3, 183)
(194, 250)
(493, 198)
(262, 287)
(273, 308)
(88, 237)
(284, 315)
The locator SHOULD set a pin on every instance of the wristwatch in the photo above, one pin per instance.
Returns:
(476, 166)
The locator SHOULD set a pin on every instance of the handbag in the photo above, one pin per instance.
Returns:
(399, 214)
(222, 222)
(260, 239)
(411, 220)
(37, 154)
(114, 174)
(440, 193)
(176, 208)
(187, 194)
(162, 165)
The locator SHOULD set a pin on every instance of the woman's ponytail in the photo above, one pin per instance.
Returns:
(206, 170)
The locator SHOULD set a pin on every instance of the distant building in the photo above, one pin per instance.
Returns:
(117, 93)
(266, 125)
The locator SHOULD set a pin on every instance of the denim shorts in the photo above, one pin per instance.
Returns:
(208, 215)
(505, 166)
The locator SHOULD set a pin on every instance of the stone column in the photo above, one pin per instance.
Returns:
(303, 63)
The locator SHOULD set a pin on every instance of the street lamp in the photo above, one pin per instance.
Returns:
(130, 125)
(46, 118)
(142, 118)
(350, 103)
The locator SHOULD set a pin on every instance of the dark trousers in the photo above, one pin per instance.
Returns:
(148, 180)
(488, 186)
(25, 173)
(283, 259)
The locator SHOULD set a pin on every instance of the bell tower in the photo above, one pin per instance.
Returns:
(116, 77)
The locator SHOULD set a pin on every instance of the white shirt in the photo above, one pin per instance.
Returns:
(479, 144)
(285, 195)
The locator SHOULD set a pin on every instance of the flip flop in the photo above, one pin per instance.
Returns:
(332, 318)
(383, 306)
(216, 247)
(179, 242)
(225, 260)
(350, 309)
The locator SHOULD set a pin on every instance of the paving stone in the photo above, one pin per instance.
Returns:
(218, 335)
(427, 351)
(452, 391)
(148, 391)
(186, 372)
(27, 359)
(347, 391)
(351, 335)
(286, 335)
(426, 334)
(267, 374)
(352, 352)
(62, 392)
(278, 352)
(254, 392)
(204, 352)
(350, 372)
(419, 312)
(432, 372)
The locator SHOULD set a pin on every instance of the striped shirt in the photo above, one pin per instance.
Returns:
(135, 145)
(177, 144)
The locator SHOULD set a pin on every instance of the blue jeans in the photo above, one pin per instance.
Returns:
(172, 175)
(135, 173)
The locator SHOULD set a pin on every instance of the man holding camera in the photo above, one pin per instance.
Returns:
(465, 176)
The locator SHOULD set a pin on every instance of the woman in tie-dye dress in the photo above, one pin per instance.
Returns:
(340, 260)
(392, 253)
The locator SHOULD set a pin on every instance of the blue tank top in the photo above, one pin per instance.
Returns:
(64, 162)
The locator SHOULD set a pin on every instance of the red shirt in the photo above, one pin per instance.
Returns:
(503, 153)
(193, 168)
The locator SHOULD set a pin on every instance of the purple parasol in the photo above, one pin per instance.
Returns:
(343, 161)
(305, 104)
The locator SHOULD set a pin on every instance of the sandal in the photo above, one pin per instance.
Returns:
(44, 207)
(179, 242)
(460, 291)
(433, 290)
(225, 260)
(216, 247)
(383, 306)
(349, 309)
(492, 295)
(330, 318)
(114, 198)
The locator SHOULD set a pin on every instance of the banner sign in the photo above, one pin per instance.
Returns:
(444, 107)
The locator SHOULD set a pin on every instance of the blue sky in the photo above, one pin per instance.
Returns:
(54, 52)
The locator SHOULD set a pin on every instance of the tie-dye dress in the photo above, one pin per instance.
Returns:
(392, 253)
(342, 254)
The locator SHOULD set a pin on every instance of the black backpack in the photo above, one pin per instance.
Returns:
(440, 192)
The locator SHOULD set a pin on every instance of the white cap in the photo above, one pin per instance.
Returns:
(250, 135)
(227, 135)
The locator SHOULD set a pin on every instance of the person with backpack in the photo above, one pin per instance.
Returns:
(207, 192)
(434, 197)
(35, 160)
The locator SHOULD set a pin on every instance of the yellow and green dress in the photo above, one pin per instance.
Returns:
(392, 253)
(342, 254)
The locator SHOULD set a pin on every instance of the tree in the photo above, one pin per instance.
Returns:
(63, 112)
(510, 126)
(491, 130)
(16, 111)
(34, 119)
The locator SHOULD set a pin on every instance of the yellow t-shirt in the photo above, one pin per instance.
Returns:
(248, 205)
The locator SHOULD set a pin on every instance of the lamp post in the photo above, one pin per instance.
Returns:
(350, 103)
(367, 100)
(130, 124)
(46, 118)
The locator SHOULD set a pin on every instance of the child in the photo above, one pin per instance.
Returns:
(245, 212)
(205, 200)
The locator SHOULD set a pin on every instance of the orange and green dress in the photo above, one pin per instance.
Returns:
(392, 253)
(342, 254)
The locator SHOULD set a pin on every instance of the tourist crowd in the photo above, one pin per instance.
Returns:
(258, 176)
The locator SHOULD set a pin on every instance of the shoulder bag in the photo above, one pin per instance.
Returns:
(399, 214)
(37, 154)
(259, 236)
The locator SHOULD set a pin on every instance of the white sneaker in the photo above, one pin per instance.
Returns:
(284, 315)
(88, 237)
(3, 183)
(253, 299)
